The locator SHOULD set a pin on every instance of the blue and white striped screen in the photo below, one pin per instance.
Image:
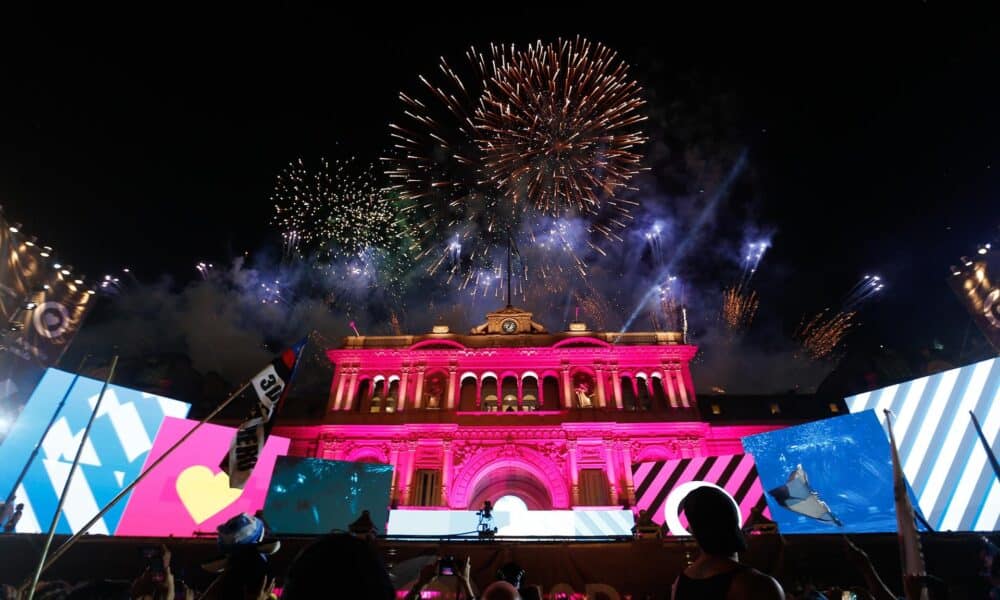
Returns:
(943, 457)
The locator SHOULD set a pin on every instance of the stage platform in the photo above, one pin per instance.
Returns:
(635, 567)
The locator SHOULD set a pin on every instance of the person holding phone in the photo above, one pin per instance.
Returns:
(156, 581)
(435, 574)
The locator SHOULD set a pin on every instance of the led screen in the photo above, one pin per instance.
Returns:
(464, 523)
(943, 458)
(660, 486)
(315, 496)
(113, 455)
(187, 493)
(829, 476)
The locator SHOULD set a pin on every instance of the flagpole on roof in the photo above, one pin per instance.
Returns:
(510, 243)
(69, 478)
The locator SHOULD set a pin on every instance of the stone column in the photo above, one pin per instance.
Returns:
(352, 390)
(401, 401)
(336, 392)
(609, 459)
(446, 466)
(567, 388)
(668, 385)
(616, 383)
(419, 392)
(599, 375)
(574, 473)
(682, 387)
(452, 379)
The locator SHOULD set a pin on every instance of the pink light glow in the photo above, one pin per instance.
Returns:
(481, 420)
(187, 493)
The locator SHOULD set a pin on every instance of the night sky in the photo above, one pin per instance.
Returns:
(871, 142)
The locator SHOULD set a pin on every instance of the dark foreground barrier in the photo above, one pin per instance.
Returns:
(639, 569)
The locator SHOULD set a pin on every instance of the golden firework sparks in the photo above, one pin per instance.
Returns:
(739, 307)
(558, 128)
(452, 162)
(823, 334)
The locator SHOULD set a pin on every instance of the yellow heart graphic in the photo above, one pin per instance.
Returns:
(204, 493)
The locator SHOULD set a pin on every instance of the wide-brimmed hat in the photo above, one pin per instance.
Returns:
(241, 534)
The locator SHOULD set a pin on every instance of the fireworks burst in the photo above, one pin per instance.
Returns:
(449, 153)
(864, 290)
(654, 241)
(434, 166)
(665, 315)
(753, 254)
(335, 209)
(557, 127)
(823, 334)
(595, 309)
(739, 307)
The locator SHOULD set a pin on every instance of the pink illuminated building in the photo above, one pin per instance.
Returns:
(556, 419)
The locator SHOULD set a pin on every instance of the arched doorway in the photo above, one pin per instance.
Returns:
(510, 503)
(510, 480)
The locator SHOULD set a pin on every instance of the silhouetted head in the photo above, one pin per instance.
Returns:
(714, 521)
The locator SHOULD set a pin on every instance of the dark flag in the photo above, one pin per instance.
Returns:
(977, 285)
(911, 554)
(270, 387)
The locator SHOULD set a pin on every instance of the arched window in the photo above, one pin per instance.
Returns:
(467, 395)
(659, 396)
(529, 392)
(550, 393)
(490, 393)
(584, 390)
(643, 399)
(362, 394)
(629, 400)
(509, 393)
(376, 405)
(392, 396)
(435, 388)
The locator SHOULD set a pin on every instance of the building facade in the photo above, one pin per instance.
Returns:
(555, 419)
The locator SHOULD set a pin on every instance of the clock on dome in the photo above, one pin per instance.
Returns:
(508, 321)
